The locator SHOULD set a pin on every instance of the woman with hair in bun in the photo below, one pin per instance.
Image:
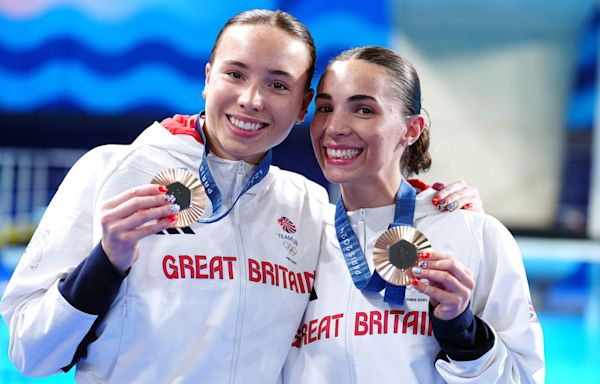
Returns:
(404, 293)
(130, 281)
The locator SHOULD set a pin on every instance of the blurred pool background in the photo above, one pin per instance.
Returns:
(510, 86)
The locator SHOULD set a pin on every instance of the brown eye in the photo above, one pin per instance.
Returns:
(234, 75)
(324, 108)
(279, 86)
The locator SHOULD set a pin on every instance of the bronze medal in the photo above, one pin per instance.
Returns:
(396, 252)
(188, 191)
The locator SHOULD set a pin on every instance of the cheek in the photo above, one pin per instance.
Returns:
(287, 108)
(389, 138)
(317, 125)
(218, 91)
(316, 142)
(383, 147)
(212, 102)
(393, 151)
(315, 133)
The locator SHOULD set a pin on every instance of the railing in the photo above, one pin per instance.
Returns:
(28, 180)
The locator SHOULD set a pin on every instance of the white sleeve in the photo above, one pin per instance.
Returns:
(45, 329)
(502, 300)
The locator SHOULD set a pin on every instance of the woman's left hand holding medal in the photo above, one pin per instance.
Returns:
(131, 216)
(447, 282)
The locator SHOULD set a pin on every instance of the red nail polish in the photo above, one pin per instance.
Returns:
(172, 218)
(162, 188)
(468, 206)
(435, 201)
(424, 255)
(415, 282)
(438, 186)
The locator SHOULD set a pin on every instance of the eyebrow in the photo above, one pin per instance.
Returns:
(277, 72)
(323, 96)
(327, 96)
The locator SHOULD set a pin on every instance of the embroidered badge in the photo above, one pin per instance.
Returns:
(287, 224)
(289, 242)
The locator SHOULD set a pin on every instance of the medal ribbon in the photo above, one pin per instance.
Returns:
(212, 190)
(354, 255)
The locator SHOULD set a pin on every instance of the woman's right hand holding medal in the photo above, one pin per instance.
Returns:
(132, 215)
(449, 284)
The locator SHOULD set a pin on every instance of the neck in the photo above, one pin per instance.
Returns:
(369, 195)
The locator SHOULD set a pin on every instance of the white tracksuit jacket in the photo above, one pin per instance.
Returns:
(211, 303)
(351, 336)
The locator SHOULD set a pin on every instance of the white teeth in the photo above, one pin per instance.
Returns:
(245, 125)
(343, 153)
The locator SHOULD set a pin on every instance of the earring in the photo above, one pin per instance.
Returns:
(298, 122)
(204, 94)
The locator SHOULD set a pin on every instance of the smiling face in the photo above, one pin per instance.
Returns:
(359, 129)
(255, 90)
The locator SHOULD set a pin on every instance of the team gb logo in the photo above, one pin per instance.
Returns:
(290, 244)
(286, 224)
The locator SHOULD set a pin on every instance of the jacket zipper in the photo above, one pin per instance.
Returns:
(242, 275)
(349, 309)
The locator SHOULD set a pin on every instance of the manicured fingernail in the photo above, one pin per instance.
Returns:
(170, 198)
(415, 282)
(424, 255)
(452, 206)
(435, 201)
(468, 206)
(162, 188)
(416, 270)
(174, 208)
(438, 186)
(442, 205)
(423, 264)
(172, 218)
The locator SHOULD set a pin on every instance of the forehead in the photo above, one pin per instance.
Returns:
(263, 44)
(357, 77)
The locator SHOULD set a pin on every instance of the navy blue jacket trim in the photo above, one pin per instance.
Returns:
(91, 288)
(93, 284)
(464, 338)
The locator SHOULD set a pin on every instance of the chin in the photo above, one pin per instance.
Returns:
(335, 176)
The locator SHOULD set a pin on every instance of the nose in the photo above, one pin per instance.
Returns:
(336, 124)
(251, 98)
